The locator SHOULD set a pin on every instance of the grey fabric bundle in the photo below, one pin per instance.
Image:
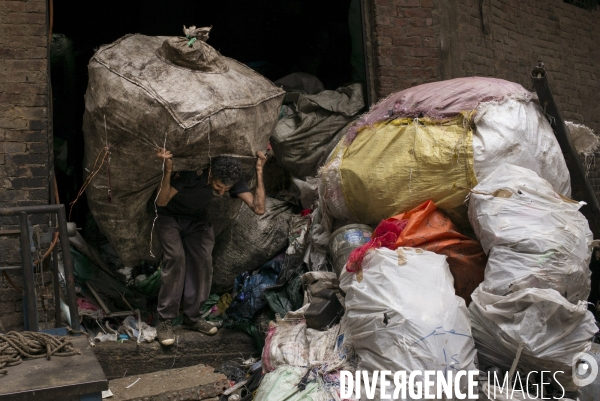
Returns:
(250, 242)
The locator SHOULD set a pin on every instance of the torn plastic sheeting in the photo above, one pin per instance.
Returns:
(404, 315)
(151, 285)
(314, 281)
(131, 327)
(585, 141)
(309, 190)
(533, 235)
(286, 298)
(248, 291)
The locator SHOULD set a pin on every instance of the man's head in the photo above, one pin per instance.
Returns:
(225, 172)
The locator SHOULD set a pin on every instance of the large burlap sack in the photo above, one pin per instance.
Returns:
(147, 92)
(303, 140)
(434, 142)
(250, 242)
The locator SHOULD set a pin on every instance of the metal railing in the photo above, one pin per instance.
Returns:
(27, 261)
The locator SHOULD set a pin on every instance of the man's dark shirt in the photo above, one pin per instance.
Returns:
(193, 194)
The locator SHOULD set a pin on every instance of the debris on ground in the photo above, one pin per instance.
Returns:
(192, 383)
(434, 232)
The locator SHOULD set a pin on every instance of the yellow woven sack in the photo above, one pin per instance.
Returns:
(395, 166)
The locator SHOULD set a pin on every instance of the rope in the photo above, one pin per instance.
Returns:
(14, 346)
(93, 173)
(157, 194)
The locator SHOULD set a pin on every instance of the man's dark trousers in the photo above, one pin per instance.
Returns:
(187, 265)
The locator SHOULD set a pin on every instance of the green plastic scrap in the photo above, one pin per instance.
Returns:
(210, 302)
(151, 285)
(191, 42)
(282, 385)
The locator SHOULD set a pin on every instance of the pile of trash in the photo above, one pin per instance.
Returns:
(432, 233)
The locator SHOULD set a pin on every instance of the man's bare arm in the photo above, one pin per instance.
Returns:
(166, 192)
(256, 202)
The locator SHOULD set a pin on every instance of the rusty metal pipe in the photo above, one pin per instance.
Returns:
(578, 176)
(22, 212)
(54, 199)
(28, 282)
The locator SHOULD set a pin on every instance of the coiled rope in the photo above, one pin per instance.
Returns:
(15, 346)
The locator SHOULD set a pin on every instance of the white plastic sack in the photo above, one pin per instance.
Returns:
(515, 131)
(131, 326)
(290, 342)
(404, 314)
(534, 237)
(286, 344)
(551, 329)
(321, 345)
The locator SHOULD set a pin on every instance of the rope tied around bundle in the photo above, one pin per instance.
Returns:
(15, 346)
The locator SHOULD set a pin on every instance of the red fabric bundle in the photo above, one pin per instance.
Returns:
(385, 236)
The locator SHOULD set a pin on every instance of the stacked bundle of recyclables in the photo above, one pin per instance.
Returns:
(145, 92)
(435, 142)
(537, 280)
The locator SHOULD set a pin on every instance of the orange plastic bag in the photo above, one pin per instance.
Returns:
(430, 229)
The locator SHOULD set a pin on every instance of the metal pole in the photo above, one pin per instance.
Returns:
(578, 176)
(55, 276)
(13, 211)
(68, 263)
(28, 282)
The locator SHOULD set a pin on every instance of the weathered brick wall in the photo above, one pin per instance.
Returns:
(418, 41)
(519, 34)
(24, 146)
(507, 38)
(405, 44)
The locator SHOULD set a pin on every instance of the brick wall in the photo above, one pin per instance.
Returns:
(24, 145)
(419, 41)
(406, 44)
(517, 34)
(507, 38)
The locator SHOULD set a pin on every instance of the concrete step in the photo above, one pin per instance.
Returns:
(190, 348)
(197, 382)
